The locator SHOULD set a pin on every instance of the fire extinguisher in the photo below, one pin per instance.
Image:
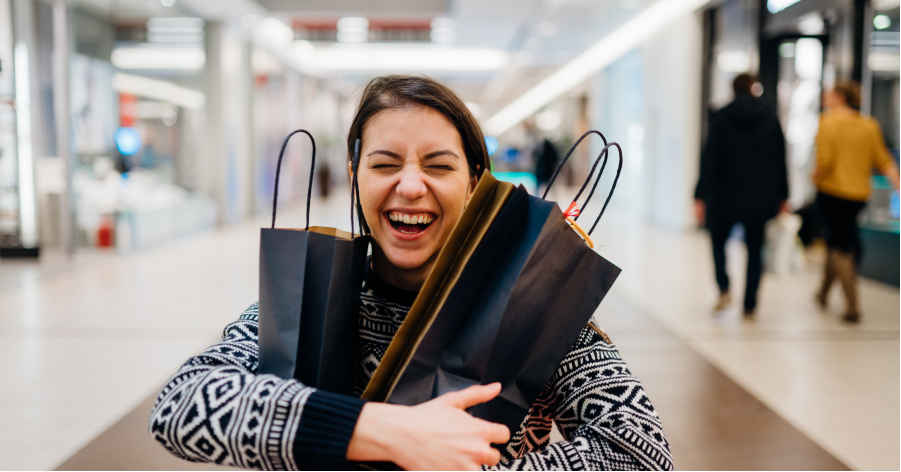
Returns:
(105, 232)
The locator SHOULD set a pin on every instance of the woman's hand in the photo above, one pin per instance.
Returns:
(435, 435)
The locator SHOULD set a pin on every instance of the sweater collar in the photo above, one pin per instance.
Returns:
(384, 290)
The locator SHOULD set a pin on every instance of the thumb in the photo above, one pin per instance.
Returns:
(472, 396)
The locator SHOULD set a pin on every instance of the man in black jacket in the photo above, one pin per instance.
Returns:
(743, 180)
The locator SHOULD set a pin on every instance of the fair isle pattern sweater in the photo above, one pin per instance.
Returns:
(218, 409)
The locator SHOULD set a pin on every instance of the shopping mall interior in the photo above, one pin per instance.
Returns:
(139, 142)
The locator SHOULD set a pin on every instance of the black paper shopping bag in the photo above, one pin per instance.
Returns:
(503, 306)
(310, 282)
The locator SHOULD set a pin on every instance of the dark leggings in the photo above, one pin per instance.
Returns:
(839, 219)
(719, 233)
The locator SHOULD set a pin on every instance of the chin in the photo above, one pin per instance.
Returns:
(407, 260)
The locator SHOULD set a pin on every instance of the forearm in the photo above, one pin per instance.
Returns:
(891, 173)
(217, 409)
(226, 416)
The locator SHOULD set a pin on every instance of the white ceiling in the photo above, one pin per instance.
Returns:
(539, 35)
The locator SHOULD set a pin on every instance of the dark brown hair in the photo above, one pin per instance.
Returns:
(402, 91)
(742, 84)
(850, 90)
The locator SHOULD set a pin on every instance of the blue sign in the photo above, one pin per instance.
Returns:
(128, 141)
(491, 144)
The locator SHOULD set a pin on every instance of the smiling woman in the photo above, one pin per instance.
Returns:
(421, 155)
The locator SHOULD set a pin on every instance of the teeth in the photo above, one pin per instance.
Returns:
(410, 219)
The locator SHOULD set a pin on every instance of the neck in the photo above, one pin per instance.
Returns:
(406, 279)
(843, 109)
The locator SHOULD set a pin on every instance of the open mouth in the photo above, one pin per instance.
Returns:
(410, 224)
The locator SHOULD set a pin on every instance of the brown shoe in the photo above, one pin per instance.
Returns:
(851, 317)
(723, 302)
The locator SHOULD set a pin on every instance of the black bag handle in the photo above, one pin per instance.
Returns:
(603, 154)
(619, 170)
(563, 161)
(355, 192)
(278, 169)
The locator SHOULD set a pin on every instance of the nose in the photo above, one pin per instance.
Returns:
(411, 186)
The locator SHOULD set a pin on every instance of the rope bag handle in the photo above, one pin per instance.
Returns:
(355, 193)
(573, 212)
(278, 169)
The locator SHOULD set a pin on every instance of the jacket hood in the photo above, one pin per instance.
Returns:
(747, 110)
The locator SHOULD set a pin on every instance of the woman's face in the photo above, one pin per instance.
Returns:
(414, 182)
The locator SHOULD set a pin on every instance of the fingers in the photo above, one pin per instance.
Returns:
(494, 456)
(498, 433)
(472, 396)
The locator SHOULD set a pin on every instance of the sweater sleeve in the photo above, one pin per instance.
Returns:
(825, 151)
(606, 418)
(218, 409)
(882, 158)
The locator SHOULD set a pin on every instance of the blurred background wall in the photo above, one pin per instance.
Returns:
(124, 124)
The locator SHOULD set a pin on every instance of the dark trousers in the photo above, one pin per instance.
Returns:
(719, 233)
(839, 219)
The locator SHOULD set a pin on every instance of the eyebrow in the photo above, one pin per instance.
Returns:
(443, 152)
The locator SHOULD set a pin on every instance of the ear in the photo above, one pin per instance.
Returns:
(474, 180)
(350, 170)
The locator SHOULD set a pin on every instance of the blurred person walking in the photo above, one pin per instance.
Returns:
(743, 180)
(849, 146)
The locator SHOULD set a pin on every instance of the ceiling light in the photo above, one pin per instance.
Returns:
(158, 90)
(622, 40)
(881, 22)
(145, 57)
(775, 6)
(167, 3)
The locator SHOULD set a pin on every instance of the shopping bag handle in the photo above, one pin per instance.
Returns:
(574, 211)
(568, 153)
(619, 170)
(355, 193)
(278, 169)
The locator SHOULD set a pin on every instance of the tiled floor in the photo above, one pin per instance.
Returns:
(94, 338)
(837, 383)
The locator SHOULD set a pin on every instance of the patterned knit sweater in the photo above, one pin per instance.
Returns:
(217, 408)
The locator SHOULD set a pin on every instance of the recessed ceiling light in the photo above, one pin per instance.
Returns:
(881, 21)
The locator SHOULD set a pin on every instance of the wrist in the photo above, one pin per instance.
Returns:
(371, 440)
